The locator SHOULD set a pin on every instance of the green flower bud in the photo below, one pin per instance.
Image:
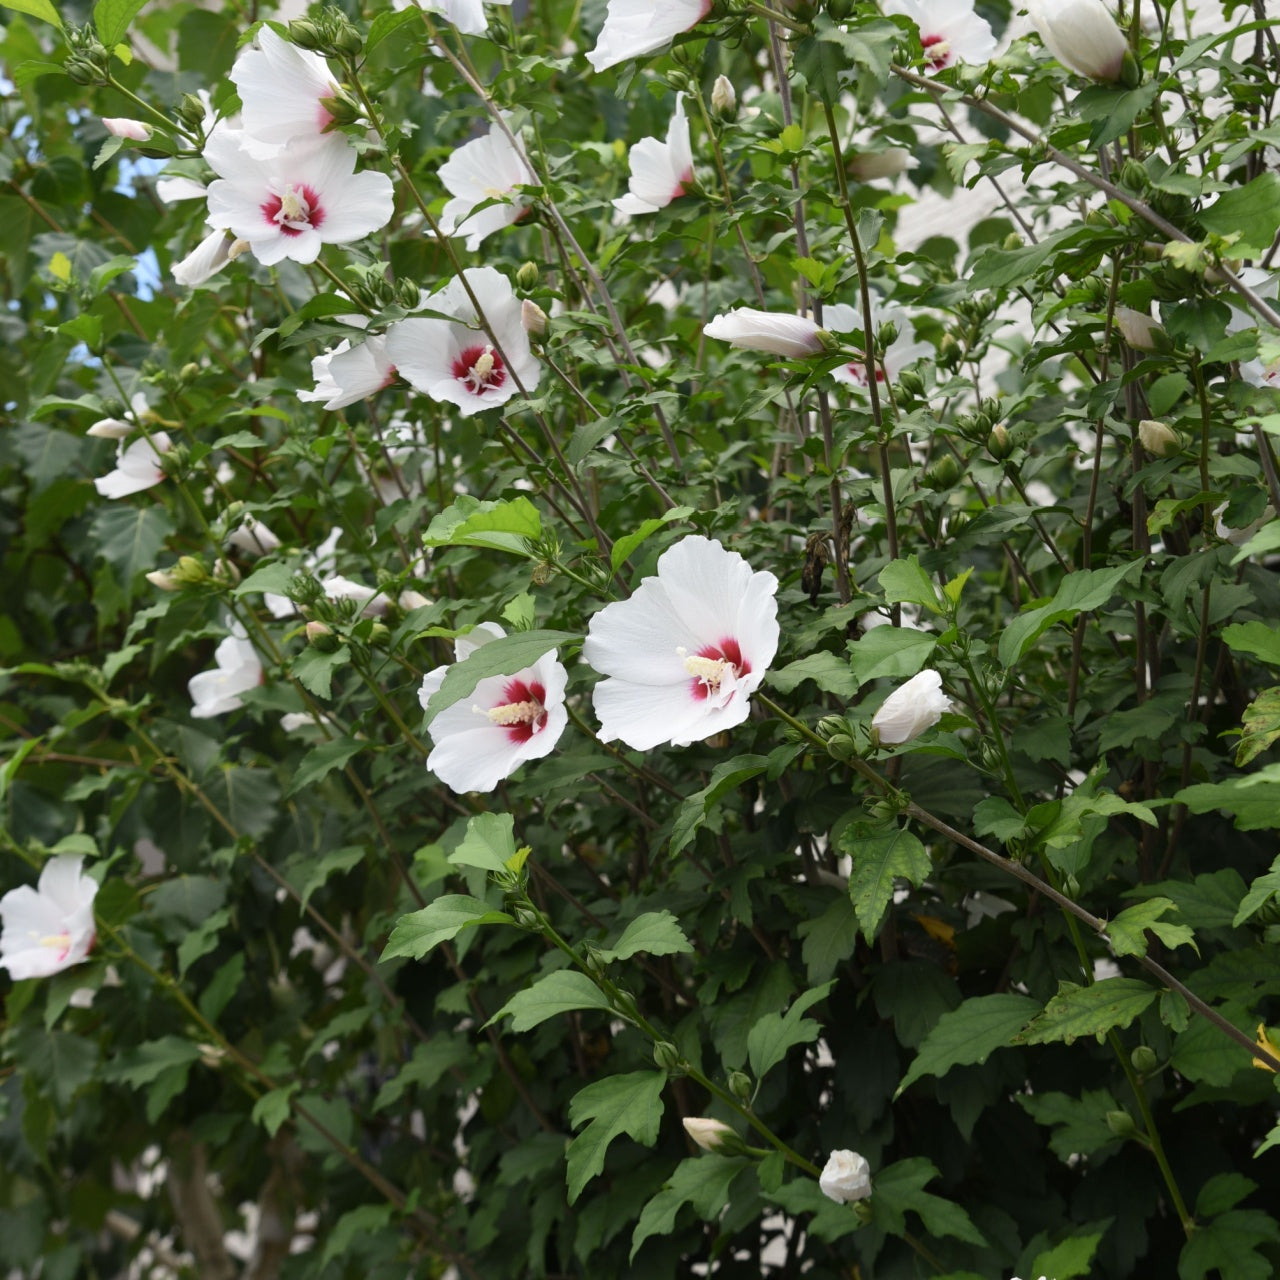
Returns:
(999, 446)
(527, 275)
(321, 637)
(950, 352)
(1144, 1060)
(910, 383)
(943, 474)
(828, 726)
(1134, 175)
(666, 1055)
(1121, 1124)
(306, 35)
(346, 40)
(740, 1086)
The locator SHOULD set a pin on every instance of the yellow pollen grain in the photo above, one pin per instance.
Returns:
(292, 205)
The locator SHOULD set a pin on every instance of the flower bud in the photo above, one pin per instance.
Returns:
(345, 39)
(110, 429)
(533, 318)
(910, 383)
(829, 726)
(190, 111)
(950, 352)
(866, 166)
(846, 1177)
(163, 580)
(305, 34)
(666, 1057)
(1134, 175)
(321, 635)
(710, 1135)
(124, 127)
(724, 102)
(999, 446)
(527, 275)
(1138, 329)
(740, 1086)
(342, 110)
(1158, 439)
(1082, 35)
(943, 474)
(1012, 241)
(841, 747)
(886, 335)
(190, 571)
(1144, 1060)
(910, 709)
(1121, 1124)
(379, 635)
(81, 70)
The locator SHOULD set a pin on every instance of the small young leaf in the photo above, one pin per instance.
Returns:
(489, 842)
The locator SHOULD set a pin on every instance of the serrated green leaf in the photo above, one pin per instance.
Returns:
(1079, 1124)
(656, 933)
(1127, 931)
(970, 1034)
(272, 1109)
(1261, 891)
(439, 921)
(1261, 726)
(1253, 800)
(829, 939)
(995, 816)
(560, 992)
(320, 761)
(628, 1104)
(1252, 211)
(890, 651)
(725, 777)
(1228, 1246)
(880, 858)
(1072, 1257)
(130, 538)
(1088, 1011)
(1254, 638)
(143, 1063)
(489, 842)
(624, 546)
(41, 9)
(503, 656)
(900, 1188)
(905, 582)
(495, 526)
(771, 1037)
(829, 673)
(700, 1181)
(112, 19)
(314, 669)
(1080, 592)
(364, 1220)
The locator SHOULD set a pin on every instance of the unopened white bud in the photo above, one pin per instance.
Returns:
(724, 99)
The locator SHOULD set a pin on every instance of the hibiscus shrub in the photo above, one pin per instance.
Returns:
(641, 640)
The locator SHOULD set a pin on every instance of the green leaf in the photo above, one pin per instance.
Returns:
(222, 987)
(1072, 1257)
(656, 933)
(364, 1221)
(1254, 799)
(41, 9)
(829, 939)
(624, 546)
(970, 1034)
(426, 1068)
(1255, 638)
(314, 669)
(1252, 210)
(725, 777)
(58, 1061)
(628, 1104)
(1261, 891)
(439, 921)
(701, 1181)
(112, 19)
(129, 538)
(503, 656)
(1080, 592)
(494, 526)
(995, 816)
(829, 673)
(771, 1037)
(1079, 1125)
(1089, 1011)
(1222, 1192)
(905, 582)
(1228, 1246)
(272, 1109)
(1127, 931)
(1261, 726)
(880, 858)
(900, 1188)
(558, 992)
(890, 651)
(320, 761)
(318, 871)
(141, 1064)
(489, 842)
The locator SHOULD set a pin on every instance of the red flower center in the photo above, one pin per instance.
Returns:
(523, 711)
(480, 369)
(296, 210)
(709, 664)
(940, 57)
